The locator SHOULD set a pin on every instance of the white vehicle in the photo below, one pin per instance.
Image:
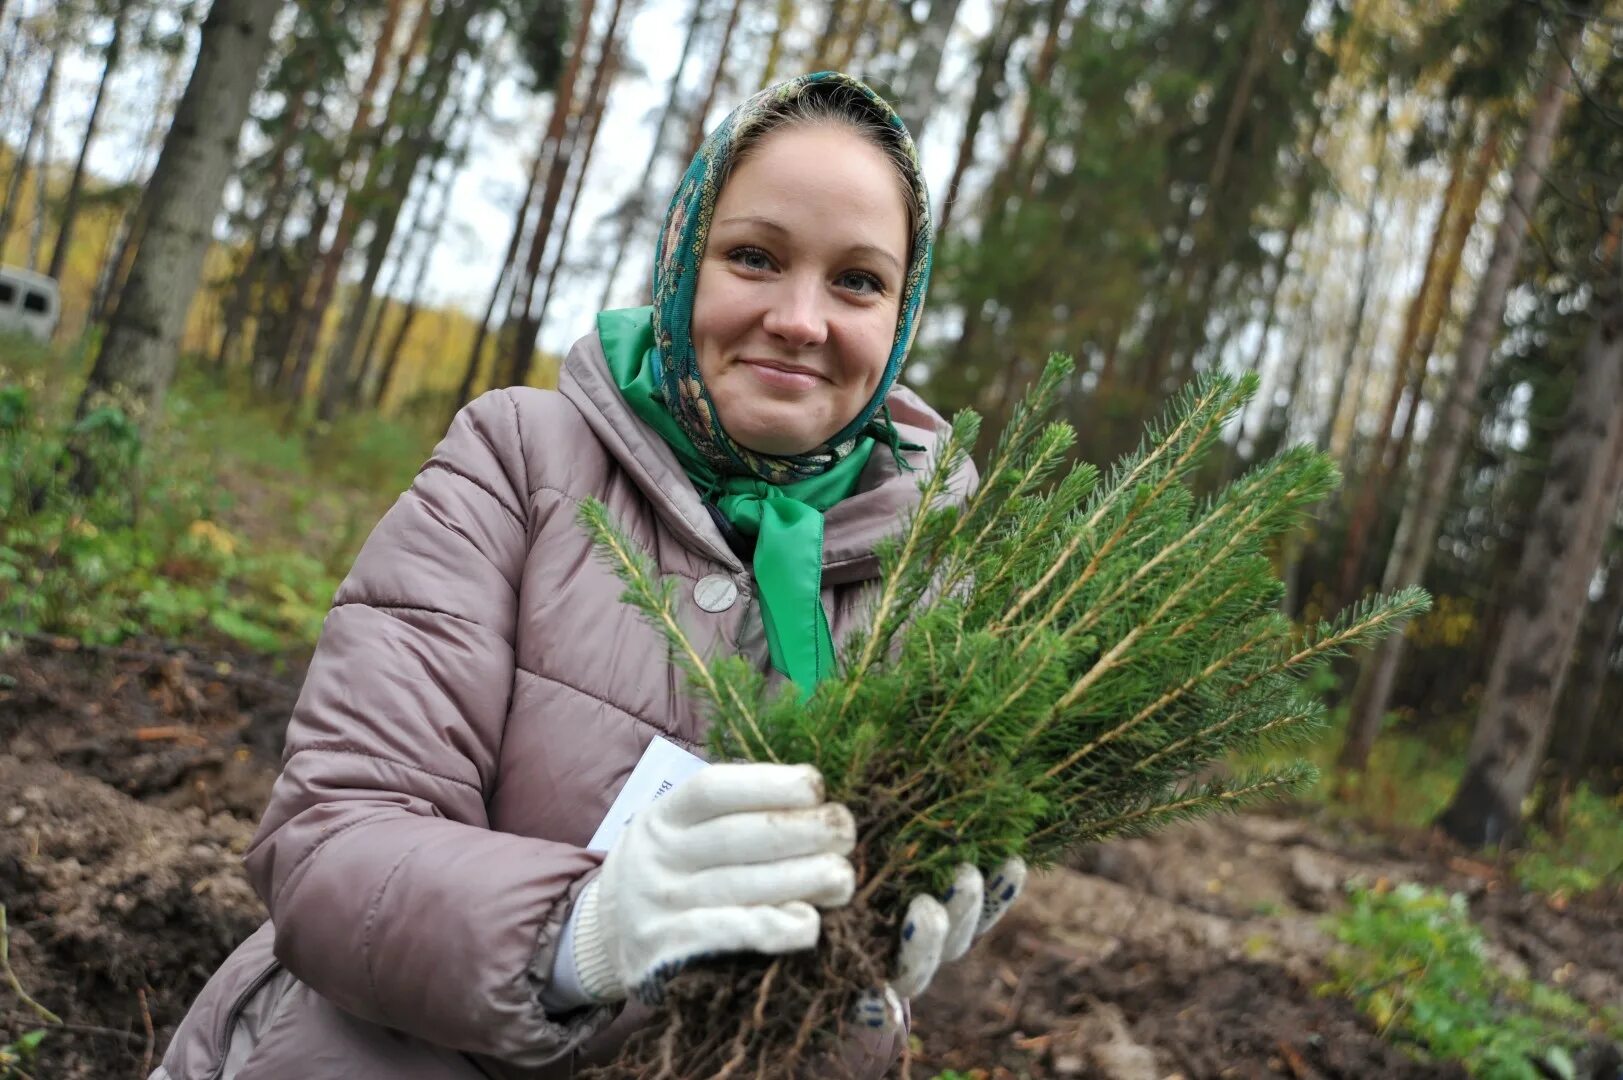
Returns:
(29, 303)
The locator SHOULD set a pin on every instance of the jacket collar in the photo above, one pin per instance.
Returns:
(851, 529)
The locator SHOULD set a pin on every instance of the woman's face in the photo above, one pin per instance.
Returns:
(800, 287)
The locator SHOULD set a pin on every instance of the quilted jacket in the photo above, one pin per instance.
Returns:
(478, 696)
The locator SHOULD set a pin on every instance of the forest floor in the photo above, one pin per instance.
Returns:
(130, 779)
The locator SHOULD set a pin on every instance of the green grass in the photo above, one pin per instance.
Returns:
(227, 521)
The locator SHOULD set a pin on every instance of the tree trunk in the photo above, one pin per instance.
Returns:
(70, 201)
(449, 42)
(916, 99)
(391, 357)
(718, 75)
(993, 57)
(138, 354)
(608, 66)
(1337, 421)
(498, 291)
(1563, 550)
(633, 213)
(265, 231)
(124, 240)
(1011, 175)
(1425, 317)
(832, 28)
(1427, 496)
(1172, 318)
(42, 184)
(423, 237)
(1585, 689)
(357, 177)
(555, 142)
(844, 50)
(273, 356)
(36, 125)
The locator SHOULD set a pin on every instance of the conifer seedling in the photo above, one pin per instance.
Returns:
(1050, 661)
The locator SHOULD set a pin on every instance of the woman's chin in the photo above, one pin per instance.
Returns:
(777, 436)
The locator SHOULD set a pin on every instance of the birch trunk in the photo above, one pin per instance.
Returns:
(138, 353)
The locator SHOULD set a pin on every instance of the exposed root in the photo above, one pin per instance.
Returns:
(760, 1018)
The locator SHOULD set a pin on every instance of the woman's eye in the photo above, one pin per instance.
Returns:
(750, 258)
(861, 282)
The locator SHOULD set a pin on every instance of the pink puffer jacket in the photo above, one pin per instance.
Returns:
(478, 697)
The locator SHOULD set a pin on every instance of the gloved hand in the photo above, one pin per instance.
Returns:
(737, 859)
(935, 931)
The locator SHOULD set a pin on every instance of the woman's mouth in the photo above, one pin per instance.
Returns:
(783, 376)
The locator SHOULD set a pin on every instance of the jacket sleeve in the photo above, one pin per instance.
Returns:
(390, 893)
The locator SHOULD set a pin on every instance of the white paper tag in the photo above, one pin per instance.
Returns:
(662, 767)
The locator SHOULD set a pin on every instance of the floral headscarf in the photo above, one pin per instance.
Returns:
(676, 281)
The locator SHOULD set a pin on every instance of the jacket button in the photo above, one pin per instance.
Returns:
(715, 592)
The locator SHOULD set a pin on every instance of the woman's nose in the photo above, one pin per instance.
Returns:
(795, 314)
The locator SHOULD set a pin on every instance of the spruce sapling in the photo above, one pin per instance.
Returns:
(1048, 661)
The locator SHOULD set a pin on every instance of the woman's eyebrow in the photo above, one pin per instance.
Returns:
(777, 227)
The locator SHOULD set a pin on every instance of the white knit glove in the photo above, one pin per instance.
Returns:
(935, 931)
(736, 859)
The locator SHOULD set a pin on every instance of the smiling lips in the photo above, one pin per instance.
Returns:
(783, 376)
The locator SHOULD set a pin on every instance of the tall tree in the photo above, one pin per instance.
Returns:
(449, 40)
(423, 236)
(1344, 408)
(124, 239)
(1423, 507)
(1569, 524)
(1461, 201)
(718, 76)
(42, 182)
(632, 213)
(500, 292)
(916, 97)
(608, 66)
(359, 157)
(992, 56)
(556, 145)
(36, 127)
(1585, 691)
(782, 18)
(70, 201)
(139, 350)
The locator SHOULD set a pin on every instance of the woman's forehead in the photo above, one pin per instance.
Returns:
(820, 179)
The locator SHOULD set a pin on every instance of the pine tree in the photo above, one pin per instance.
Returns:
(1046, 664)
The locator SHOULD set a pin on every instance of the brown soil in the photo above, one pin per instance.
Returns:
(130, 780)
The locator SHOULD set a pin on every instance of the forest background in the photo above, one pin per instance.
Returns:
(291, 239)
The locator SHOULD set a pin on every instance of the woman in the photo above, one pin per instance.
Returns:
(480, 694)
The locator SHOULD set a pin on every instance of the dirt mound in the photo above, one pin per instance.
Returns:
(118, 914)
(129, 781)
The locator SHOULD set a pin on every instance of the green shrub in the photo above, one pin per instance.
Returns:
(1585, 856)
(1415, 963)
(221, 522)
